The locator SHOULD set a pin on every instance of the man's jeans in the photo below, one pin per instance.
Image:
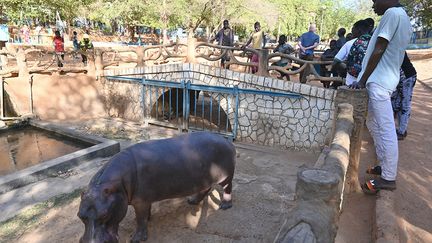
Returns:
(381, 125)
(401, 101)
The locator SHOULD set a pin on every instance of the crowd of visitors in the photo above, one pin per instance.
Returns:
(371, 58)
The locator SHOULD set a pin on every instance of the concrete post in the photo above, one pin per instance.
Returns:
(22, 63)
(98, 62)
(191, 43)
(263, 62)
(140, 56)
(31, 94)
(3, 59)
(305, 73)
(2, 114)
(91, 61)
(359, 100)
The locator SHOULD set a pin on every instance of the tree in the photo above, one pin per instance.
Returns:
(420, 11)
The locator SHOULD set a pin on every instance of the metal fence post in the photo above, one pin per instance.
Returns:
(234, 129)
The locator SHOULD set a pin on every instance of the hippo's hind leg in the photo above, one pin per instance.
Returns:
(226, 198)
(142, 214)
(197, 198)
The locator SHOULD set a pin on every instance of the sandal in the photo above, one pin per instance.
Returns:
(374, 186)
(376, 170)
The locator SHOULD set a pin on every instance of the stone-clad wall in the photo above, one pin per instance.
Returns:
(304, 123)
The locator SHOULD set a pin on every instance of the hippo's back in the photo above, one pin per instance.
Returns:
(182, 165)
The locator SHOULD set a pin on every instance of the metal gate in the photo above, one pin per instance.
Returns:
(192, 107)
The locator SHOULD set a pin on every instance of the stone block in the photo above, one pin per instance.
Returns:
(296, 104)
(315, 112)
(320, 93)
(305, 89)
(269, 104)
(324, 116)
(288, 113)
(299, 114)
(328, 105)
(321, 104)
(288, 86)
(296, 87)
(304, 104)
(329, 94)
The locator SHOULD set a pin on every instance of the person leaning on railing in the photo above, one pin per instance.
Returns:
(258, 41)
(225, 37)
(283, 48)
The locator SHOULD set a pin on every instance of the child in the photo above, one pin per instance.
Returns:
(75, 44)
(58, 42)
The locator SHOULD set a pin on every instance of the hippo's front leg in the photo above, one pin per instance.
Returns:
(142, 214)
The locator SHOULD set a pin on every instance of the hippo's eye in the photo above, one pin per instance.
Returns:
(103, 216)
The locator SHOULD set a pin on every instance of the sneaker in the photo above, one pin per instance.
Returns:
(374, 186)
(401, 136)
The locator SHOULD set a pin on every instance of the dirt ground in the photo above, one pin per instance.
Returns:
(263, 193)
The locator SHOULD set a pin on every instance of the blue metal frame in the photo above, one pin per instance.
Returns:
(183, 124)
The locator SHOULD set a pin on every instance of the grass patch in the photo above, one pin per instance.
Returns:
(16, 226)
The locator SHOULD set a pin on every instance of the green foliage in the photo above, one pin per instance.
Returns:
(328, 15)
(420, 11)
(43, 10)
(290, 17)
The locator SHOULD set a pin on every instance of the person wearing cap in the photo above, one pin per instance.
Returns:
(85, 44)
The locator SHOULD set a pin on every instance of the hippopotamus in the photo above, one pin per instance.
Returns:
(151, 171)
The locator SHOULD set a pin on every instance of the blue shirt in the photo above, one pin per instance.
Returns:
(4, 32)
(309, 39)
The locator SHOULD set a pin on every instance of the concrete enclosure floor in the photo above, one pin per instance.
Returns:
(263, 193)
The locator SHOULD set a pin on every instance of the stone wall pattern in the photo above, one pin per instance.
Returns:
(301, 124)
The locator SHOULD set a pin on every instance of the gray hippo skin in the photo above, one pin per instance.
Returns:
(152, 171)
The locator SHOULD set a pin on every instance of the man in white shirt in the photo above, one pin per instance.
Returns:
(380, 75)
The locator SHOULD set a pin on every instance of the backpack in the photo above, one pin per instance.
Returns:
(356, 55)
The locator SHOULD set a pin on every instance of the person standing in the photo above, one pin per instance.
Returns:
(38, 32)
(401, 98)
(328, 55)
(380, 75)
(58, 42)
(4, 34)
(357, 52)
(225, 37)
(342, 40)
(307, 44)
(85, 45)
(25, 31)
(76, 45)
(283, 48)
(258, 41)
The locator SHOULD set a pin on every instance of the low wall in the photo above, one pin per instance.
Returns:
(319, 190)
(303, 124)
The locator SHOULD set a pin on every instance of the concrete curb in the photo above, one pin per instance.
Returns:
(386, 228)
